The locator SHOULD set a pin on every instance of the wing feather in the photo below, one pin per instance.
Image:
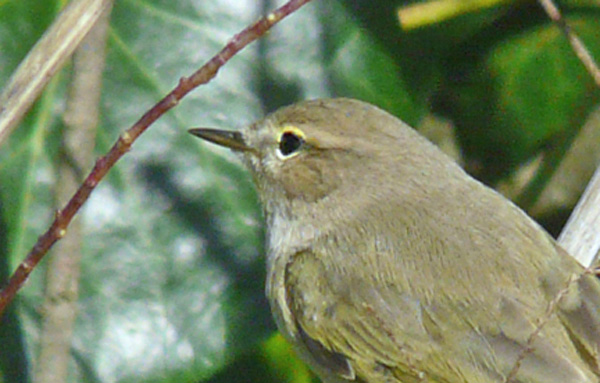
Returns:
(382, 335)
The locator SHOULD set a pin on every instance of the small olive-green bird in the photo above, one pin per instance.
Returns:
(388, 263)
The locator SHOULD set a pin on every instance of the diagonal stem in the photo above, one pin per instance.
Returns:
(61, 291)
(580, 235)
(207, 72)
(578, 46)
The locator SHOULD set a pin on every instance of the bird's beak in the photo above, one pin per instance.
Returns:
(230, 139)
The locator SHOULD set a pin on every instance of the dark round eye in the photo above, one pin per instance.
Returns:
(289, 143)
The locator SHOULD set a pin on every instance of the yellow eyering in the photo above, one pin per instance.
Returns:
(290, 129)
(293, 130)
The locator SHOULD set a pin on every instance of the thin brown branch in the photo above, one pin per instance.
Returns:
(580, 235)
(578, 46)
(550, 311)
(62, 274)
(63, 217)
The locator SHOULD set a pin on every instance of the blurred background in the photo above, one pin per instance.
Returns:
(169, 286)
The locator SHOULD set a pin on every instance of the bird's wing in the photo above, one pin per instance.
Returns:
(578, 309)
(347, 335)
(379, 335)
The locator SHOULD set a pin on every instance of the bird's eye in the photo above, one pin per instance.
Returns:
(290, 142)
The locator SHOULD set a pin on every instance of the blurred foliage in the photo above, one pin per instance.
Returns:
(172, 276)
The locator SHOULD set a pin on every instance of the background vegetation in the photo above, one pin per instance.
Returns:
(171, 285)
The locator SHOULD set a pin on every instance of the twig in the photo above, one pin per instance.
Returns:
(578, 47)
(580, 236)
(62, 276)
(63, 217)
(550, 310)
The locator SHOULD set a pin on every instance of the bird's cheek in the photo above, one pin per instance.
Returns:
(305, 182)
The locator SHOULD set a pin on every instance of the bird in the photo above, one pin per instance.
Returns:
(388, 263)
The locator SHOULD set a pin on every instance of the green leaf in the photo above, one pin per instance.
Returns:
(284, 362)
(361, 66)
(526, 91)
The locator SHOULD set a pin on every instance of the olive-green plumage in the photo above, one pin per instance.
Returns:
(388, 263)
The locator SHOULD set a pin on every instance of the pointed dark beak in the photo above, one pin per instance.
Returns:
(229, 139)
